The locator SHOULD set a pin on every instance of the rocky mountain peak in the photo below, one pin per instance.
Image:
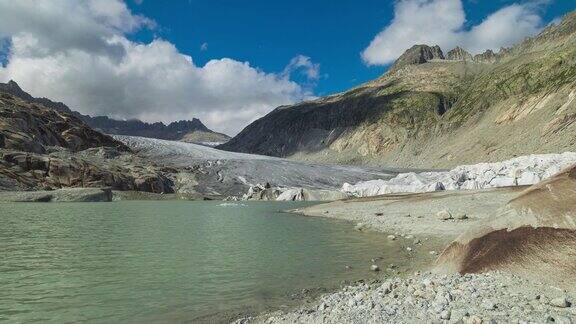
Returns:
(14, 89)
(418, 54)
(487, 57)
(459, 54)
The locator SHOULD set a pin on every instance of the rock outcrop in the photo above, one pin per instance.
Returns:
(59, 195)
(93, 168)
(427, 112)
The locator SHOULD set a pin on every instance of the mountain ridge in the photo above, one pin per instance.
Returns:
(439, 113)
(178, 130)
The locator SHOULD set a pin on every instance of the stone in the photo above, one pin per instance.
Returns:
(444, 215)
(392, 237)
(445, 314)
(473, 319)
(488, 305)
(461, 216)
(374, 268)
(558, 319)
(560, 302)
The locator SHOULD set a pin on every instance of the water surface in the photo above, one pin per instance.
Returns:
(169, 261)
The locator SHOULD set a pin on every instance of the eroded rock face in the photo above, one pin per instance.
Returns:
(63, 169)
(30, 127)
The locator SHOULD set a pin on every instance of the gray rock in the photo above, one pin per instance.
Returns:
(444, 215)
(488, 305)
(374, 267)
(560, 302)
(445, 314)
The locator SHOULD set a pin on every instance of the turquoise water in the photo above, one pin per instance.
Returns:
(170, 261)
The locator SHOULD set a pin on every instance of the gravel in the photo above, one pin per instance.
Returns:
(493, 297)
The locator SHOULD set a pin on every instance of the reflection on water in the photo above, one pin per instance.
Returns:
(165, 261)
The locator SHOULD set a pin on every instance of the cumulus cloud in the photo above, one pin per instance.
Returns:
(442, 22)
(78, 52)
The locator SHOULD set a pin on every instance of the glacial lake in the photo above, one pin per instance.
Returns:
(171, 261)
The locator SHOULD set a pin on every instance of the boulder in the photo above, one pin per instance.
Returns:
(444, 215)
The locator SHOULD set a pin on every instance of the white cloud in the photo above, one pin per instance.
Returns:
(301, 62)
(442, 22)
(85, 60)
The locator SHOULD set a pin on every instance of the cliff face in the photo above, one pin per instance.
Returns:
(433, 112)
(174, 131)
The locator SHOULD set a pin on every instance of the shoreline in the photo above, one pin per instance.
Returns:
(427, 296)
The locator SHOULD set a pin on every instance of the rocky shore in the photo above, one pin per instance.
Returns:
(493, 297)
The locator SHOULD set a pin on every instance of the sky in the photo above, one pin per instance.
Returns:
(229, 62)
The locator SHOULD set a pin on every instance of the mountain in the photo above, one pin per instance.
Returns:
(429, 111)
(188, 130)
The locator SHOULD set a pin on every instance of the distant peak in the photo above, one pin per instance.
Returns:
(459, 54)
(418, 54)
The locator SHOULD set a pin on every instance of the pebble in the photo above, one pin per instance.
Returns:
(374, 267)
(461, 216)
(445, 314)
(557, 319)
(392, 237)
(560, 302)
(489, 305)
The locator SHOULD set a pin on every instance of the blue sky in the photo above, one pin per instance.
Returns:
(269, 33)
(229, 62)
